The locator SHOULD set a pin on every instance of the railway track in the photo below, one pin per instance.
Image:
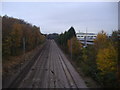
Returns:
(23, 72)
(50, 70)
(69, 77)
(33, 80)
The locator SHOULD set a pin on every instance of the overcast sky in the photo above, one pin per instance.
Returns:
(57, 17)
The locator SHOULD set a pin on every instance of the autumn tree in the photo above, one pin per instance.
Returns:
(14, 31)
(107, 64)
(106, 53)
(107, 59)
(75, 45)
(101, 41)
(115, 40)
(6, 39)
(16, 35)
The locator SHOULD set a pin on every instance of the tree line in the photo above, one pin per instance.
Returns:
(64, 37)
(18, 34)
(100, 60)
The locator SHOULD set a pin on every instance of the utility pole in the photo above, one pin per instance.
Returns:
(71, 47)
(24, 47)
(86, 38)
(23, 52)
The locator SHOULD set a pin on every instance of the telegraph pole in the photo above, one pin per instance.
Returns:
(23, 52)
(24, 47)
(86, 38)
(71, 47)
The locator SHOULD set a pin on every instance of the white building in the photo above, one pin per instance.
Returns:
(86, 38)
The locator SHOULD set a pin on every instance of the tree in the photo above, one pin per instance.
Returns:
(107, 59)
(76, 46)
(6, 46)
(64, 37)
(71, 33)
(101, 41)
(107, 64)
(114, 38)
(16, 35)
(13, 32)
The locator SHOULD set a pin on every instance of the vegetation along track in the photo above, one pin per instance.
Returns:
(50, 70)
(19, 77)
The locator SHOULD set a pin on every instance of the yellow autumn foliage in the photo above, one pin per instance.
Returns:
(107, 59)
(101, 41)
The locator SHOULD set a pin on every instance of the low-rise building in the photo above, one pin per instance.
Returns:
(86, 38)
